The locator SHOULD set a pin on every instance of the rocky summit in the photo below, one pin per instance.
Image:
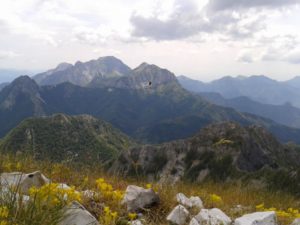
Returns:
(221, 151)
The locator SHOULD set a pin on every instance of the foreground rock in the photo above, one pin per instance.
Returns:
(23, 181)
(189, 202)
(257, 218)
(179, 215)
(296, 222)
(76, 214)
(212, 217)
(137, 198)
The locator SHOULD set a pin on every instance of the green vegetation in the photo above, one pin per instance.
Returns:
(106, 206)
(61, 137)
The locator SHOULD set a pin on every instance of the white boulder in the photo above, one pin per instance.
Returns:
(179, 215)
(189, 202)
(76, 214)
(23, 181)
(194, 222)
(137, 198)
(257, 218)
(296, 222)
(212, 217)
(196, 202)
(136, 222)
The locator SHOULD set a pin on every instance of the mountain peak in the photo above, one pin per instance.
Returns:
(24, 81)
(63, 66)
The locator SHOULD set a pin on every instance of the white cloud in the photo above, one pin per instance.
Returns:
(239, 35)
(8, 54)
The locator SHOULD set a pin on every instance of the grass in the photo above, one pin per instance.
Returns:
(106, 204)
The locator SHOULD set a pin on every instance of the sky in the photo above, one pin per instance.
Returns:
(202, 39)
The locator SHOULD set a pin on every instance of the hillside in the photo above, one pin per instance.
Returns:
(19, 100)
(2, 85)
(285, 114)
(60, 137)
(219, 152)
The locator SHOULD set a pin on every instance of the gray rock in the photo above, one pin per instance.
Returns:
(76, 214)
(296, 222)
(257, 218)
(179, 215)
(23, 181)
(189, 202)
(194, 222)
(212, 217)
(136, 222)
(137, 198)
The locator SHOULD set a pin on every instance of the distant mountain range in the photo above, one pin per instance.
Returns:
(259, 88)
(147, 103)
(285, 114)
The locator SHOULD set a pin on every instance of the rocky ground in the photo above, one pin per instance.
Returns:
(35, 188)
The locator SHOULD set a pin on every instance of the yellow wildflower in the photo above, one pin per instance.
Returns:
(132, 216)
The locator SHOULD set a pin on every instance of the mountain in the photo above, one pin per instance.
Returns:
(80, 138)
(221, 152)
(295, 82)
(2, 85)
(285, 114)
(190, 84)
(144, 76)
(258, 88)
(19, 100)
(157, 113)
(83, 73)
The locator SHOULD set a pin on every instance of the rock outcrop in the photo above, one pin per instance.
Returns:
(23, 182)
(213, 216)
(257, 218)
(76, 214)
(137, 198)
(179, 215)
(189, 202)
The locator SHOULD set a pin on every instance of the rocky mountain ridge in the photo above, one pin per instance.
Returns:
(222, 151)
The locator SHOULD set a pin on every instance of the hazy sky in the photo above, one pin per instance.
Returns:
(204, 39)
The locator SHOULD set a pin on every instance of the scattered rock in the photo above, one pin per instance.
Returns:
(196, 202)
(136, 222)
(76, 214)
(179, 215)
(189, 202)
(137, 198)
(212, 217)
(23, 181)
(194, 222)
(183, 200)
(89, 194)
(296, 222)
(257, 218)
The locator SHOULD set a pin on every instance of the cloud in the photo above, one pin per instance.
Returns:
(219, 5)
(187, 20)
(8, 54)
(184, 21)
(293, 58)
(246, 57)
